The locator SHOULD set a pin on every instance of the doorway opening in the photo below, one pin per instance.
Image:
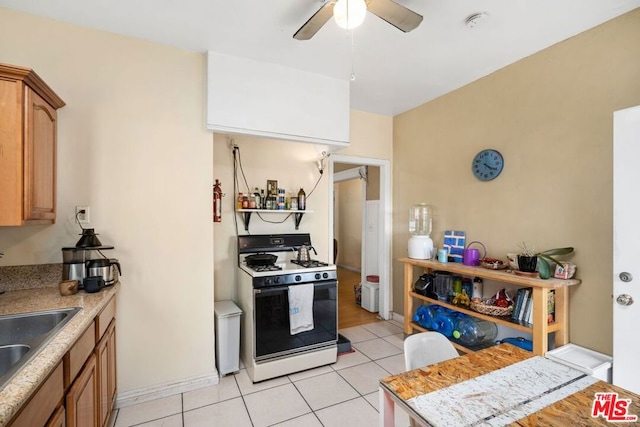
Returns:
(360, 224)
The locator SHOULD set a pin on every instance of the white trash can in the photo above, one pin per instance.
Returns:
(227, 336)
(371, 294)
(583, 359)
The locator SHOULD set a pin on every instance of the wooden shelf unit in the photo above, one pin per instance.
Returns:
(539, 329)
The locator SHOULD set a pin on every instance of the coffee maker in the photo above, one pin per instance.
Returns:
(74, 263)
(83, 259)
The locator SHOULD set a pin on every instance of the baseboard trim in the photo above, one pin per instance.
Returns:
(397, 317)
(146, 394)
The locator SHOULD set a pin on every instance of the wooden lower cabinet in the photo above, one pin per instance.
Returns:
(58, 418)
(106, 359)
(81, 390)
(82, 403)
(43, 403)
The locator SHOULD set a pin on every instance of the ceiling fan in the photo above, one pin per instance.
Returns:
(395, 14)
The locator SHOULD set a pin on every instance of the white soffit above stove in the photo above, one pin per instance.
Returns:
(394, 71)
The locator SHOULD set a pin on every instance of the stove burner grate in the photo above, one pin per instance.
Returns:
(262, 268)
(310, 264)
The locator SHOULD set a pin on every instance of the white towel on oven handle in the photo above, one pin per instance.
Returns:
(300, 308)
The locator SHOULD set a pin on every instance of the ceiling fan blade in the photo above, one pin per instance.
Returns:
(311, 27)
(395, 14)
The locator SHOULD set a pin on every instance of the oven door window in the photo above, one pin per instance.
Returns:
(272, 333)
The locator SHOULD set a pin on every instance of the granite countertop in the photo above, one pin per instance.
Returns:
(26, 381)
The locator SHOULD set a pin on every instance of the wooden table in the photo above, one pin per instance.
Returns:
(501, 385)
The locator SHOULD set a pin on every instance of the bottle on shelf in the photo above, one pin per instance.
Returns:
(256, 194)
(281, 199)
(467, 286)
(302, 200)
(471, 331)
(426, 313)
(456, 286)
(239, 203)
(477, 288)
(445, 321)
(245, 202)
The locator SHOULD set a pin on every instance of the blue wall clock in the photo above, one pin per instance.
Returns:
(487, 165)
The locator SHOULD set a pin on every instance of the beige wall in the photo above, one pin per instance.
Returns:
(371, 136)
(132, 146)
(373, 183)
(348, 214)
(348, 218)
(550, 115)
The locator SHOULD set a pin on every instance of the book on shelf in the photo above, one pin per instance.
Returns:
(551, 308)
(526, 299)
(517, 304)
(527, 308)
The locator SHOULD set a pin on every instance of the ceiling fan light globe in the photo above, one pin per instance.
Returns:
(349, 14)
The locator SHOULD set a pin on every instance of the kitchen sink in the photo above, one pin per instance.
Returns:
(23, 335)
(11, 354)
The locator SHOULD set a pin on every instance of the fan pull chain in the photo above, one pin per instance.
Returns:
(353, 74)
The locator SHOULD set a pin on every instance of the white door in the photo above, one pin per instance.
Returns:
(626, 238)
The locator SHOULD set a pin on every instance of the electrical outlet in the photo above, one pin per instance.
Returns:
(232, 144)
(83, 218)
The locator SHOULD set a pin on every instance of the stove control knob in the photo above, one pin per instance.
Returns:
(325, 275)
(276, 279)
(317, 276)
(267, 281)
(298, 278)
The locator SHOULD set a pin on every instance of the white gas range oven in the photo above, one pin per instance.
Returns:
(272, 344)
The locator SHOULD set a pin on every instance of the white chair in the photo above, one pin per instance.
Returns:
(427, 348)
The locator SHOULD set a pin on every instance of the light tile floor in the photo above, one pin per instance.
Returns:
(342, 394)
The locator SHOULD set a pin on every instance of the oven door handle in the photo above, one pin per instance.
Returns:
(268, 291)
(279, 289)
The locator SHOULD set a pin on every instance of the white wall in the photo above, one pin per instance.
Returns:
(132, 145)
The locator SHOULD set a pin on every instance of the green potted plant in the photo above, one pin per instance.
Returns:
(530, 259)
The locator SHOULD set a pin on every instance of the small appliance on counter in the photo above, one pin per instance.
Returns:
(107, 268)
(80, 263)
(86, 259)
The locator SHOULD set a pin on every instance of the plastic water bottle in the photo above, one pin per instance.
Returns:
(471, 331)
(445, 322)
(425, 314)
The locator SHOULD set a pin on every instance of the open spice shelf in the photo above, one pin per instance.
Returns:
(539, 329)
(246, 215)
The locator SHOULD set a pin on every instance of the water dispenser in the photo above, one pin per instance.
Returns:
(420, 222)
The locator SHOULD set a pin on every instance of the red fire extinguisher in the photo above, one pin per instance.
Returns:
(217, 202)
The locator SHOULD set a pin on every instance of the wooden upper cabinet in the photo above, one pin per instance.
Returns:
(28, 129)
